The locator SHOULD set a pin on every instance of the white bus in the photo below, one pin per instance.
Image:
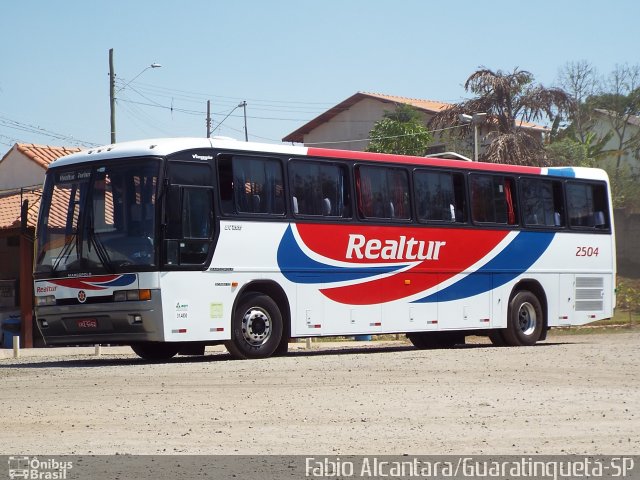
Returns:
(173, 244)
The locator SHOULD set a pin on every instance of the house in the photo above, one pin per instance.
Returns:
(22, 172)
(24, 165)
(624, 133)
(347, 125)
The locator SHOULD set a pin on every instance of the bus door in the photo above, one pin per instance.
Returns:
(188, 215)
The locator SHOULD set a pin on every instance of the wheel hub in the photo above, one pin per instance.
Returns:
(527, 318)
(256, 326)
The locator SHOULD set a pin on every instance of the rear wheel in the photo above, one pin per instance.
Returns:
(525, 320)
(256, 328)
(283, 347)
(497, 338)
(155, 350)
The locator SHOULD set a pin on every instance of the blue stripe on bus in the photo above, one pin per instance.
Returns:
(562, 172)
(298, 267)
(514, 260)
(123, 280)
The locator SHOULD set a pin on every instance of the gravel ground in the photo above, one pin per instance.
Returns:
(571, 394)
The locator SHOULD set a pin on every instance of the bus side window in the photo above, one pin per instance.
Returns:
(383, 192)
(319, 189)
(588, 205)
(493, 199)
(258, 185)
(440, 196)
(542, 202)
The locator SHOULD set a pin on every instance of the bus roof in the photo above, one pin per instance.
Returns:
(167, 146)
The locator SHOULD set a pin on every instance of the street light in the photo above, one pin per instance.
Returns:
(112, 91)
(242, 104)
(153, 65)
(475, 120)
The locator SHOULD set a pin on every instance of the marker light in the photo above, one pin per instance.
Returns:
(131, 295)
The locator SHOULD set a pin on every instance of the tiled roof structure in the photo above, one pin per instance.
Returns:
(43, 155)
(11, 207)
(11, 201)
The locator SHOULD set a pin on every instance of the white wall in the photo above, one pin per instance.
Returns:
(630, 158)
(352, 124)
(17, 170)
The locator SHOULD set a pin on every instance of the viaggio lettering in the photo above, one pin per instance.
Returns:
(401, 249)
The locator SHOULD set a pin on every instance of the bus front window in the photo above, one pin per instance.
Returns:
(99, 219)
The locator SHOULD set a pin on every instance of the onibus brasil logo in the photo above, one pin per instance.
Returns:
(38, 469)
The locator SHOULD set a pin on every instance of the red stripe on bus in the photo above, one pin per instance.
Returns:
(424, 161)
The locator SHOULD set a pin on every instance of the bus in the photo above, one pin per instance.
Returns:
(171, 245)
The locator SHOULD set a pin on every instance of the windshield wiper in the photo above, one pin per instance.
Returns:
(66, 250)
(101, 251)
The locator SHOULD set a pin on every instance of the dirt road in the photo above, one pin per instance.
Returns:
(571, 394)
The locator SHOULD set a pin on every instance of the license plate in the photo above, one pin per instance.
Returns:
(87, 323)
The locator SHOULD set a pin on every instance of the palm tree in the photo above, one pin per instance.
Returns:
(508, 99)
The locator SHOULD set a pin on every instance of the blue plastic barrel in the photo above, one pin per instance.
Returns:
(362, 338)
(10, 328)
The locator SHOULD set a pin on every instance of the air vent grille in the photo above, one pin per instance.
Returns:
(589, 294)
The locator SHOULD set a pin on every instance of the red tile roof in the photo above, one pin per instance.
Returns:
(430, 106)
(11, 206)
(10, 201)
(43, 155)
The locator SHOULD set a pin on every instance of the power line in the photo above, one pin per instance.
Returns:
(200, 95)
(203, 112)
(25, 127)
(391, 136)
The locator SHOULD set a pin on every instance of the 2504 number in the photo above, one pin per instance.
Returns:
(587, 251)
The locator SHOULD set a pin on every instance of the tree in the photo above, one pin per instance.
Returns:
(619, 102)
(609, 106)
(508, 99)
(580, 80)
(400, 132)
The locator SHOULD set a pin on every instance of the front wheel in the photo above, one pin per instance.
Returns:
(525, 320)
(256, 328)
(155, 350)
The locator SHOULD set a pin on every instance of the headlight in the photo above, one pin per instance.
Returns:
(45, 300)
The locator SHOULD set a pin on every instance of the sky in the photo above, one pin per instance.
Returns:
(290, 60)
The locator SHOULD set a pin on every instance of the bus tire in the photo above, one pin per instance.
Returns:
(256, 328)
(525, 320)
(156, 351)
(283, 348)
(497, 339)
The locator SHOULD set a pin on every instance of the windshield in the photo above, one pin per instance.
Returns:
(97, 219)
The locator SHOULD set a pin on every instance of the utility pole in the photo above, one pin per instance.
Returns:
(208, 118)
(244, 106)
(112, 96)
